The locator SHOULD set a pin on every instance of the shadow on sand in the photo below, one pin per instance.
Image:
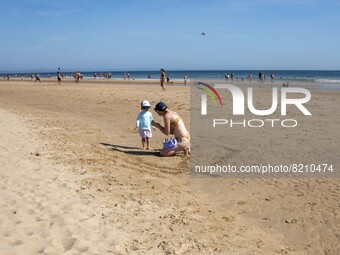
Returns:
(131, 150)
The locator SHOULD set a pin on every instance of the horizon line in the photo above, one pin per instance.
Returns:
(149, 70)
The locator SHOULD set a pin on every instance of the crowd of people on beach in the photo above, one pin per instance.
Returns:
(101, 76)
(6, 77)
(261, 77)
(77, 76)
(165, 79)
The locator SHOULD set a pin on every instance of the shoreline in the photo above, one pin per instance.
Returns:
(267, 84)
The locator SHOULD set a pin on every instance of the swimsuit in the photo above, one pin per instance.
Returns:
(173, 124)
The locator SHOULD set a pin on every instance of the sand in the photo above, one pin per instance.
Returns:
(74, 180)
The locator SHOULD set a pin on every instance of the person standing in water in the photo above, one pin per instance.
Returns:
(185, 79)
(232, 76)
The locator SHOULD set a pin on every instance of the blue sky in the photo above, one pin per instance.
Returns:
(150, 34)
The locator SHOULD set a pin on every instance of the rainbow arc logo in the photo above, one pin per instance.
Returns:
(210, 91)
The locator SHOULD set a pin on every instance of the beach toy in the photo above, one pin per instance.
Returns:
(169, 143)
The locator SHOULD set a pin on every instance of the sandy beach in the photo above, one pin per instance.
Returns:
(74, 179)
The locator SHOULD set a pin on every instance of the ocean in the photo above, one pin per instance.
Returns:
(312, 76)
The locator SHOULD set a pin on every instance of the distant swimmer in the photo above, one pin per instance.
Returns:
(203, 34)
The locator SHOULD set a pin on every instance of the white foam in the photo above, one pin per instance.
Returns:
(328, 81)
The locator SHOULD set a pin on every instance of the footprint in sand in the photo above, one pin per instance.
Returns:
(290, 221)
(229, 218)
(68, 243)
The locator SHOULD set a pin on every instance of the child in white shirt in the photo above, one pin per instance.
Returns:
(143, 123)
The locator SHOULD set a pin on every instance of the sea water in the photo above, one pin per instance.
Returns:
(327, 78)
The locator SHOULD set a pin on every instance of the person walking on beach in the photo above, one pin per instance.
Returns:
(162, 79)
(143, 124)
(272, 76)
(124, 76)
(232, 77)
(167, 79)
(173, 124)
(185, 79)
(77, 77)
(95, 76)
(128, 75)
(37, 78)
(59, 77)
